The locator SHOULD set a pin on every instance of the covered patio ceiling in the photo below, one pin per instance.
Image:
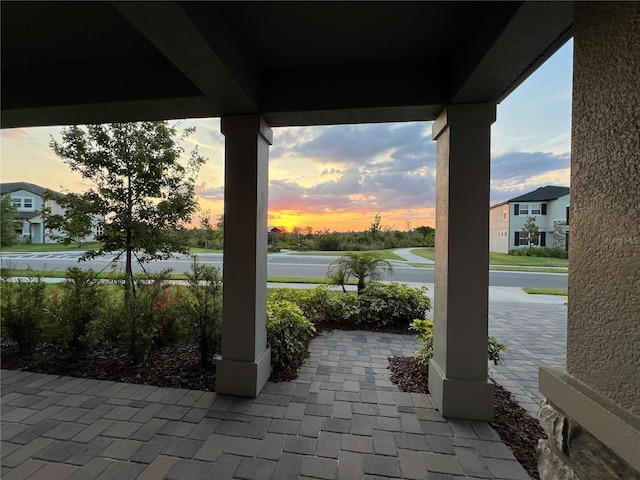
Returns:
(295, 63)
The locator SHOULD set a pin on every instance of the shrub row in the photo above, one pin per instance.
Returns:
(539, 252)
(83, 312)
(378, 305)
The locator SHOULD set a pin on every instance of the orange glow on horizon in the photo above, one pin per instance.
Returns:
(333, 221)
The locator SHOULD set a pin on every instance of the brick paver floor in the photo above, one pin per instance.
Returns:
(342, 418)
(536, 334)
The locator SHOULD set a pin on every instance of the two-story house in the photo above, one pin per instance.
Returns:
(549, 206)
(30, 200)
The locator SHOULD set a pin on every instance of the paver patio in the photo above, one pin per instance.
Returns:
(341, 418)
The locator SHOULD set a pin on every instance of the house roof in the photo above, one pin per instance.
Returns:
(11, 187)
(542, 194)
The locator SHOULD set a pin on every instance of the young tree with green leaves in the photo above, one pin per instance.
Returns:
(143, 190)
(8, 213)
(365, 265)
(530, 231)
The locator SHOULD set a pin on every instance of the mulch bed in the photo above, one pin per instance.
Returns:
(516, 428)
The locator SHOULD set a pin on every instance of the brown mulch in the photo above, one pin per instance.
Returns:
(516, 428)
(173, 367)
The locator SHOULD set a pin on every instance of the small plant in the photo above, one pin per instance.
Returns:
(424, 334)
(23, 311)
(288, 332)
(75, 305)
(205, 309)
(495, 350)
(143, 312)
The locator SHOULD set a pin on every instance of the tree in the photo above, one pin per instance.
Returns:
(143, 193)
(8, 214)
(363, 265)
(530, 231)
(375, 228)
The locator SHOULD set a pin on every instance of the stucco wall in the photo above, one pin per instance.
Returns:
(603, 348)
(498, 225)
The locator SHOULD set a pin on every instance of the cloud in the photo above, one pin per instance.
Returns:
(516, 173)
(216, 193)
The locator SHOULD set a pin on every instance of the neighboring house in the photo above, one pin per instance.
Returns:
(29, 200)
(548, 205)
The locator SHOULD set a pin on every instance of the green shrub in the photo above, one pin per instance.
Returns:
(393, 304)
(111, 325)
(539, 252)
(74, 305)
(321, 303)
(204, 309)
(144, 312)
(288, 332)
(23, 311)
(424, 334)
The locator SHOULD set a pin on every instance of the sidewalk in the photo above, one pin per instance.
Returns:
(342, 418)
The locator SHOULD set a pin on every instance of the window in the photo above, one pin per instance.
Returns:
(524, 209)
(535, 209)
(505, 213)
(99, 230)
(23, 203)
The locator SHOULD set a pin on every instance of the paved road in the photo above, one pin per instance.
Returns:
(279, 265)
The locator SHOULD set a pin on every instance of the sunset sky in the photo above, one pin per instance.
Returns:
(339, 177)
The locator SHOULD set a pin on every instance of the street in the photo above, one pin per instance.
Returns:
(279, 265)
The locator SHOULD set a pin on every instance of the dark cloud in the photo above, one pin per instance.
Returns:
(216, 193)
(516, 173)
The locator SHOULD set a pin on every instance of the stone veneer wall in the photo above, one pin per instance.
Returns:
(560, 229)
(572, 453)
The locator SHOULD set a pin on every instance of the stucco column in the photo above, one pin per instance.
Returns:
(458, 370)
(246, 361)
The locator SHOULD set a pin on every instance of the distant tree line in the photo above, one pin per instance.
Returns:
(376, 237)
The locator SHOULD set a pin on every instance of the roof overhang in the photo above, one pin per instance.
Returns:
(296, 63)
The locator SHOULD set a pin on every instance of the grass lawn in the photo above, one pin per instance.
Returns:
(49, 247)
(506, 260)
(14, 272)
(386, 254)
(546, 291)
(425, 252)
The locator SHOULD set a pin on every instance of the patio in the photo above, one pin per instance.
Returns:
(342, 418)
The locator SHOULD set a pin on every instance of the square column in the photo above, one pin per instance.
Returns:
(246, 360)
(458, 370)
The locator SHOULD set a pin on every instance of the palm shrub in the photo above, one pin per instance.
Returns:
(23, 311)
(75, 304)
(394, 304)
(424, 335)
(362, 266)
(288, 332)
(204, 310)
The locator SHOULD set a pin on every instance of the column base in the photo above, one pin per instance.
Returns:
(246, 379)
(460, 398)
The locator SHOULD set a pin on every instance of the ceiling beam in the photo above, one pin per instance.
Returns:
(172, 32)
